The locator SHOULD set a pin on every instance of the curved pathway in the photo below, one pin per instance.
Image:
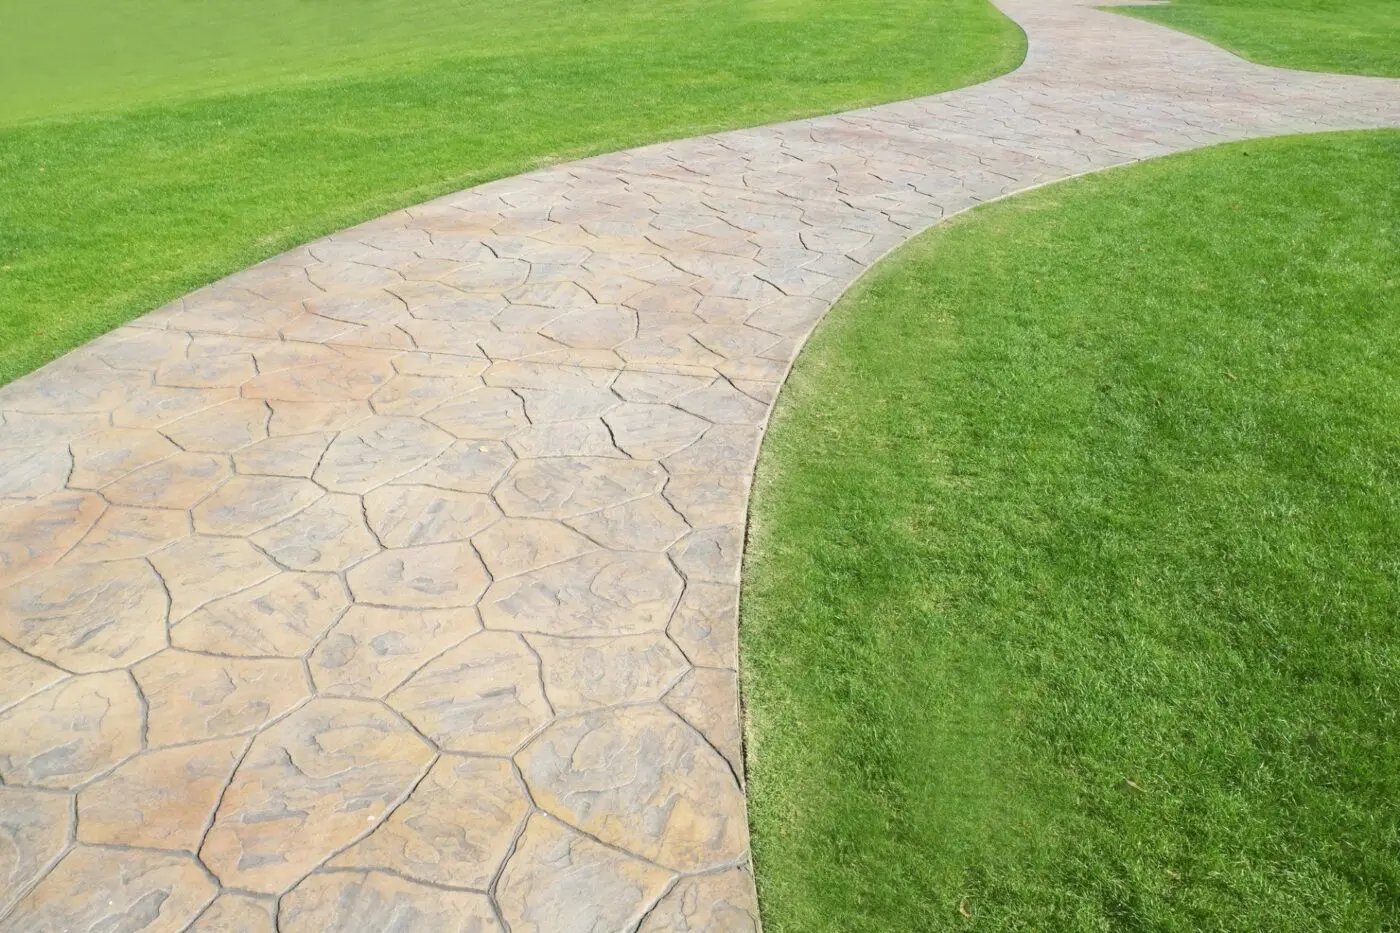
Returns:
(392, 584)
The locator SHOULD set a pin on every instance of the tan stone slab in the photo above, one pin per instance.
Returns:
(160, 405)
(724, 449)
(372, 649)
(588, 673)
(639, 778)
(339, 380)
(123, 533)
(559, 881)
(222, 429)
(237, 913)
(34, 430)
(192, 697)
(328, 535)
(310, 785)
(103, 889)
(30, 472)
(71, 731)
(711, 555)
(586, 437)
(204, 569)
(548, 405)
(87, 618)
(378, 450)
(101, 458)
(282, 617)
(23, 675)
(598, 594)
(414, 395)
(709, 499)
(708, 699)
(455, 830)
(433, 576)
(34, 827)
(722, 901)
(722, 403)
(652, 432)
(466, 466)
(177, 482)
(482, 697)
(407, 516)
(370, 902)
(35, 535)
(208, 372)
(564, 487)
(706, 624)
(247, 504)
(514, 546)
(646, 524)
(160, 799)
(291, 455)
(482, 414)
(292, 418)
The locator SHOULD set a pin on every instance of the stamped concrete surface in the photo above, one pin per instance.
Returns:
(392, 584)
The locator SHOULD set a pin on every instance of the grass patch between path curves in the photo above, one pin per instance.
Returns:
(196, 137)
(1072, 597)
(1351, 36)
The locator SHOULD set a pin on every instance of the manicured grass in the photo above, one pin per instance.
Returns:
(1073, 588)
(1353, 36)
(148, 186)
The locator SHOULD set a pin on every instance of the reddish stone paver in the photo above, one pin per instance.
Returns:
(393, 583)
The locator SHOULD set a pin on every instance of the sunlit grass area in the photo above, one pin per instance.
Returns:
(1353, 36)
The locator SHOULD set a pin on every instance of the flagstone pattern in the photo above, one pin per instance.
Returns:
(392, 583)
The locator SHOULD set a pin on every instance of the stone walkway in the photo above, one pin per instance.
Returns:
(391, 584)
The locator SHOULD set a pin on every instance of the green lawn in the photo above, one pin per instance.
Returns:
(1073, 592)
(149, 147)
(1353, 36)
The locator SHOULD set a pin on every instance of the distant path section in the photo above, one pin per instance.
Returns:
(392, 584)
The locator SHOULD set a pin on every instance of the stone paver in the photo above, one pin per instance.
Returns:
(393, 583)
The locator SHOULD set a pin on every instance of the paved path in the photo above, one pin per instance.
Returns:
(391, 584)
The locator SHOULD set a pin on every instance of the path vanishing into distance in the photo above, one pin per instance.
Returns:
(392, 584)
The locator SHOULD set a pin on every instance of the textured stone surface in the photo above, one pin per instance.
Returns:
(483, 696)
(371, 902)
(559, 881)
(641, 779)
(434, 576)
(35, 535)
(34, 828)
(160, 799)
(236, 913)
(22, 676)
(721, 901)
(102, 889)
(329, 535)
(87, 619)
(598, 594)
(311, 784)
(71, 731)
(192, 696)
(282, 617)
(584, 673)
(373, 649)
(276, 515)
(456, 828)
(708, 700)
